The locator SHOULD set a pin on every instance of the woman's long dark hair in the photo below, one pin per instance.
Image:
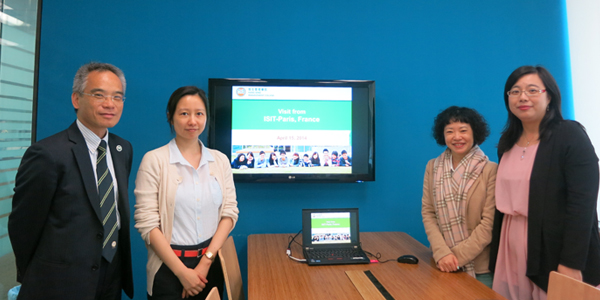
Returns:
(314, 160)
(271, 161)
(514, 128)
(236, 163)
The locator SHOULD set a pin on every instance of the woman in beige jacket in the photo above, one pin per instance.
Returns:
(458, 195)
(185, 205)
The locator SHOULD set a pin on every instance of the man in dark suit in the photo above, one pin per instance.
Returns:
(69, 225)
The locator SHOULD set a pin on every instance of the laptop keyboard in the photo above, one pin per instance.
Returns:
(329, 253)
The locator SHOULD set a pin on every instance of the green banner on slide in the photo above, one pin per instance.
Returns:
(330, 223)
(291, 115)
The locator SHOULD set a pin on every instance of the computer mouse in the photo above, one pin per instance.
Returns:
(408, 259)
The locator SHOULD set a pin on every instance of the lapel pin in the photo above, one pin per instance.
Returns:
(119, 148)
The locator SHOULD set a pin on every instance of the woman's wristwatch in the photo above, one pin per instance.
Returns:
(209, 255)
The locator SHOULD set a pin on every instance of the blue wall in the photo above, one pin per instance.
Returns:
(423, 55)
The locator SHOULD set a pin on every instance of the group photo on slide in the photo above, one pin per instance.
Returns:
(291, 159)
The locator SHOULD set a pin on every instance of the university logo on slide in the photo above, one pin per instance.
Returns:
(241, 91)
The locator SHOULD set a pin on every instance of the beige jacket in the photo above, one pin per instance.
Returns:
(155, 188)
(481, 205)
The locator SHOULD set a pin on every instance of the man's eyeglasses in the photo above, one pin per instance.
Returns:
(99, 97)
(528, 92)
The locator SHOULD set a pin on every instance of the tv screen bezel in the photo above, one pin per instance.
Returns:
(363, 124)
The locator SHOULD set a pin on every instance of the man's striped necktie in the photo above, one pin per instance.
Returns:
(108, 207)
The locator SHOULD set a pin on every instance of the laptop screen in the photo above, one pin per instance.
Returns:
(330, 226)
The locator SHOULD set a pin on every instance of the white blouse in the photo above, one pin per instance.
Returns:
(197, 200)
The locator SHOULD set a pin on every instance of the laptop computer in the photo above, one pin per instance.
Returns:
(331, 236)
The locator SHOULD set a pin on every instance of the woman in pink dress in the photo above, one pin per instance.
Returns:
(546, 192)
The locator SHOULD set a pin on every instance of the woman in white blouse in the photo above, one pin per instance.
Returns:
(185, 205)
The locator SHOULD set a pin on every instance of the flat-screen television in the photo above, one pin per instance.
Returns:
(286, 130)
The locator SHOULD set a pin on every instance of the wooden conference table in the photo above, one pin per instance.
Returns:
(272, 275)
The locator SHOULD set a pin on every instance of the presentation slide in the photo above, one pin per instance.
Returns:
(279, 129)
(330, 228)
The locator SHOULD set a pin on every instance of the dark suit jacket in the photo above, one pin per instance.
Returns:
(562, 221)
(55, 226)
